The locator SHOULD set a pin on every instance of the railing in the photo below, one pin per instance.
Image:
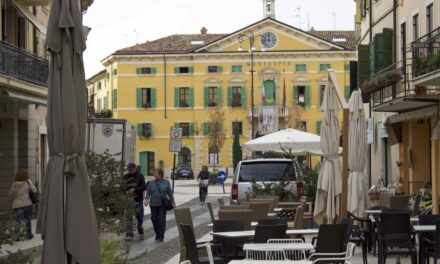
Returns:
(425, 52)
(20, 64)
(282, 112)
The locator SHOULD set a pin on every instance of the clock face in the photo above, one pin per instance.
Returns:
(268, 40)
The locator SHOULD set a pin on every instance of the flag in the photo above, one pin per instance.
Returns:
(263, 95)
(284, 95)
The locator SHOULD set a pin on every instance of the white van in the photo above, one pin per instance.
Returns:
(265, 171)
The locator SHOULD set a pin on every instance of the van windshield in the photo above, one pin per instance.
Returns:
(267, 171)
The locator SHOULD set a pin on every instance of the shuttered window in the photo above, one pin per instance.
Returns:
(145, 97)
(144, 130)
(146, 70)
(363, 68)
(387, 47)
(237, 68)
(300, 67)
(378, 52)
(324, 67)
(318, 127)
(115, 99)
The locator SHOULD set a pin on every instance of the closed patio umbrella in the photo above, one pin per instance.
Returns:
(357, 188)
(66, 218)
(329, 185)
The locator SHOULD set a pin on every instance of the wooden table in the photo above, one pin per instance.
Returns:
(282, 246)
(251, 233)
(424, 228)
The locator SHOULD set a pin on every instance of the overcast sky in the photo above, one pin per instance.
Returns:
(122, 23)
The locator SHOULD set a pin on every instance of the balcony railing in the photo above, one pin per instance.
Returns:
(22, 65)
(282, 112)
(426, 53)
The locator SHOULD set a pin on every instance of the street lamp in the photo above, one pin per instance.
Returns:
(251, 38)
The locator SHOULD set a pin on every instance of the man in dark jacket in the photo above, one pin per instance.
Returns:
(134, 183)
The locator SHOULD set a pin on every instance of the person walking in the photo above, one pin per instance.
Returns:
(156, 189)
(21, 202)
(134, 183)
(203, 179)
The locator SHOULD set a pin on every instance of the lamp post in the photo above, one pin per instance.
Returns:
(251, 38)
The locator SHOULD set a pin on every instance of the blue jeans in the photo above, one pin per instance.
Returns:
(24, 214)
(158, 217)
(139, 214)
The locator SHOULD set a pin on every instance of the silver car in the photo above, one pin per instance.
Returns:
(266, 171)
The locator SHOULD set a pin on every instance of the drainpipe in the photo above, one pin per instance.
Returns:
(165, 84)
(370, 14)
(394, 31)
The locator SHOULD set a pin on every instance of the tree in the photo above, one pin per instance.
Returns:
(217, 132)
(237, 154)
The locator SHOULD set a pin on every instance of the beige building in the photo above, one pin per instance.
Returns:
(399, 70)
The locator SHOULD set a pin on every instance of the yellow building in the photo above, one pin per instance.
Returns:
(177, 80)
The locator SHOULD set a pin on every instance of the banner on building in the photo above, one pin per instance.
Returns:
(268, 119)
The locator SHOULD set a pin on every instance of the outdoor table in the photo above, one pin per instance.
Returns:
(252, 261)
(282, 246)
(278, 209)
(414, 219)
(424, 228)
(253, 224)
(251, 233)
(271, 214)
(373, 211)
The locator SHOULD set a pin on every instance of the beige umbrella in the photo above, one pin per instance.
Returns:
(358, 200)
(329, 186)
(66, 218)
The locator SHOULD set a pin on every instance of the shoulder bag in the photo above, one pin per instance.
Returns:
(34, 196)
(166, 202)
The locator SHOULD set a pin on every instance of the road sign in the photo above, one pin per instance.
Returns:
(176, 133)
(175, 145)
(221, 177)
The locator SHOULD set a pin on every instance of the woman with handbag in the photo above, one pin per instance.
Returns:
(159, 195)
(21, 201)
(203, 179)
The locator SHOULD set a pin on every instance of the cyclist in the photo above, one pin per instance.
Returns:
(203, 179)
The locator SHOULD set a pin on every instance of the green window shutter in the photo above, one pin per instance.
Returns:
(318, 127)
(378, 52)
(138, 70)
(177, 124)
(153, 97)
(176, 70)
(191, 69)
(230, 96)
(191, 97)
(347, 67)
(219, 96)
(205, 128)
(191, 129)
(300, 67)
(206, 96)
(295, 94)
(363, 69)
(308, 97)
(237, 68)
(347, 92)
(176, 97)
(371, 58)
(243, 97)
(153, 70)
(220, 69)
(139, 97)
(387, 47)
(139, 129)
(115, 98)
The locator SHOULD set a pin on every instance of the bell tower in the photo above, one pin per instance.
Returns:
(269, 9)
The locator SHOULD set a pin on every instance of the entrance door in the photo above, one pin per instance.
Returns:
(147, 161)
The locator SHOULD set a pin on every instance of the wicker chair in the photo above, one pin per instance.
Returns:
(243, 215)
(211, 211)
(234, 207)
(259, 210)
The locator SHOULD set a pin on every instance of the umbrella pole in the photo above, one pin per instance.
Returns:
(345, 138)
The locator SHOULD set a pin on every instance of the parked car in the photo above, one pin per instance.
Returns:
(266, 171)
(184, 171)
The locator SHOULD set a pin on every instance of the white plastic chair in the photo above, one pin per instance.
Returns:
(290, 254)
(266, 254)
(345, 256)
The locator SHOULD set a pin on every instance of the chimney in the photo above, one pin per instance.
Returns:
(203, 31)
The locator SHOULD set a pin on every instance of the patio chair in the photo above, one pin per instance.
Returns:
(343, 257)
(211, 211)
(353, 234)
(182, 216)
(221, 201)
(259, 209)
(270, 201)
(394, 232)
(399, 201)
(275, 198)
(290, 254)
(266, 254)
(426, 236)
(191, 248)
(331, 238)
(416, 205)
(265, 232)
(298, 220)
(363, 229)
(243, 215)
(272, 221)
(234, 207)
(231, 246)
(432, 247)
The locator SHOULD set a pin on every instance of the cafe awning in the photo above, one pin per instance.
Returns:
(25, 97)
(29, 16)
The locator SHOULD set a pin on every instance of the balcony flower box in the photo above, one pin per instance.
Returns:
(381, 81)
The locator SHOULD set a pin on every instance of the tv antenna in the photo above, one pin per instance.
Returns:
(334, 20)
(298, 15)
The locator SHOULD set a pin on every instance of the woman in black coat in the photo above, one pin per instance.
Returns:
(203, 179)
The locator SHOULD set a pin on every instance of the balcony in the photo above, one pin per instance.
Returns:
(258, 109)
(391, 90)
(426, 59)
(19, 64)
